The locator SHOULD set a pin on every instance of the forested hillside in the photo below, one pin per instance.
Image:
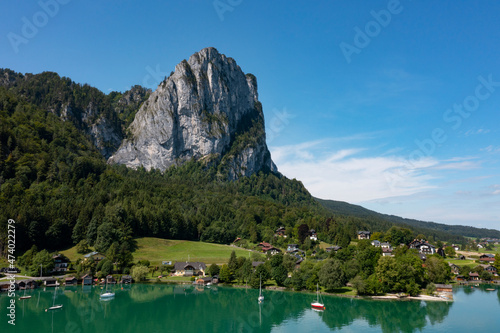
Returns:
(437, 230)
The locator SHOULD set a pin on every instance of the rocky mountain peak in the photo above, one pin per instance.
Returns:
(207, 109)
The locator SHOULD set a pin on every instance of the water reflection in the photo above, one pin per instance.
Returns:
(185, 308)
(390, 316)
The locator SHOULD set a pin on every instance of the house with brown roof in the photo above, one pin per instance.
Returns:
(271, 250)
(474, 276)
(207, 280)
(487, 257)
(280, 232)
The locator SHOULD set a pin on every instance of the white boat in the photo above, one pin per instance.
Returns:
(261, 298)
(25, 296)
(318, 305)
(54, 306)
(107, 294)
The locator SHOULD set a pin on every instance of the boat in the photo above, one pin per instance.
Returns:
(107, 294)
(54, 306)
(317, 305)
(25, 296)
(490, 289)
(261, 298)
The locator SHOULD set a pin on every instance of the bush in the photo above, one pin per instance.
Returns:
(430, 289)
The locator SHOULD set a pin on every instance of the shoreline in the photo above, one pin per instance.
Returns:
(441, 297)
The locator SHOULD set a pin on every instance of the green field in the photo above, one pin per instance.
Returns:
(459, 262)
(496, 250)
(157, 250)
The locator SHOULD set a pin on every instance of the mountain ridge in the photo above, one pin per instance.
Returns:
(345, 208)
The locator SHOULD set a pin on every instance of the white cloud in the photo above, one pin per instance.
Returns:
(477, 131)
(491, 149)
(344, 175)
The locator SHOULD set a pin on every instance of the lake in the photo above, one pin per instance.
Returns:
(185, 308)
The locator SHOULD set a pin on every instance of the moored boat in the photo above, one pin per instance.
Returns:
(318, 305)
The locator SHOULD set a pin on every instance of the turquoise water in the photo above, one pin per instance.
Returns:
(184, 308)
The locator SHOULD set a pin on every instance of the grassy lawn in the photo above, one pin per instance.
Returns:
(345, 291)
(459, 262)
(323, 245)
(157, 250)
(72, 254)
(175, 279)
(495, 250)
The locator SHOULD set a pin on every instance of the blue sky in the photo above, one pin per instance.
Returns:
(393, 105)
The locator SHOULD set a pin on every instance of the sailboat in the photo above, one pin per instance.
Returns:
(54, 306)
(107, 294)
(261, 298)
(25, 296)
(318, 305)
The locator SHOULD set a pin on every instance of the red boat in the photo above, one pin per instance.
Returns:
(318, 305)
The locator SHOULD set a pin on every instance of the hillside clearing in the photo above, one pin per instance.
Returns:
(157, 250)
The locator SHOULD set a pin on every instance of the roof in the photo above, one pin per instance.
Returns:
(489, 255)
(178, 266)
(474, 274)
(71, 278)
(87, 276)
(88, 255)
(60, 256)
(364, 232)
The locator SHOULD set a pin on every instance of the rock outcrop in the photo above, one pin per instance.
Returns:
(208, 109)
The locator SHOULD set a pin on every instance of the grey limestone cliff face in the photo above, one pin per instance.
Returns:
(207, 109)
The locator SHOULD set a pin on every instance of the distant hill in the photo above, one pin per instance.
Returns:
(344, 208)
